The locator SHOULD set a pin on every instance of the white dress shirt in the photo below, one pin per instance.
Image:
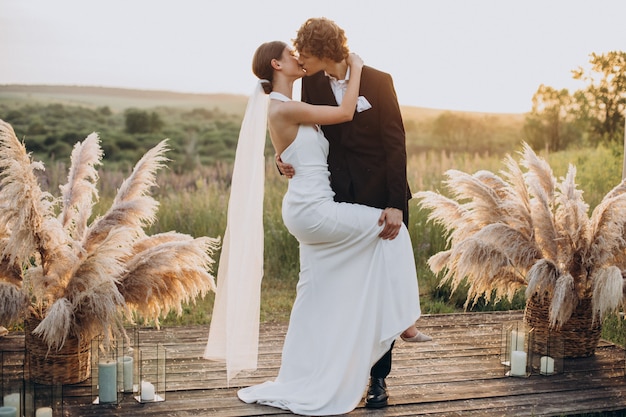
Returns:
(339, 86)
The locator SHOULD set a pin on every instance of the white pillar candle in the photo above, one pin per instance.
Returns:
(43, 412)
(518, 363)
(6, 411)
(546, 365)
(107, 382)
(127, 372)
(147, 391)
(14, 400)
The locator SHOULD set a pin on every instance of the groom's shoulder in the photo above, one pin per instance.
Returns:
(374, 72)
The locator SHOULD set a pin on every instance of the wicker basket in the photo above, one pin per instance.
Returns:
(580, 334)
(69, 365)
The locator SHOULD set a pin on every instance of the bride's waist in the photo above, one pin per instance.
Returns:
(314, 177)
(309, 187)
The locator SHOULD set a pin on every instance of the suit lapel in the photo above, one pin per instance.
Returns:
(326, 92)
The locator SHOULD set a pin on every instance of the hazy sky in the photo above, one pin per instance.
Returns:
(476, 55)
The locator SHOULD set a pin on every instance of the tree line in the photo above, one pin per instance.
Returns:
(591, 116)
(197, 137)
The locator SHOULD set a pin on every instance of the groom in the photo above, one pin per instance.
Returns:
(367, 157)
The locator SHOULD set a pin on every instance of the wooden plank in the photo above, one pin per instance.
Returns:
(457, 374)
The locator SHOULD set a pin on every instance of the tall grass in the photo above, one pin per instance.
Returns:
(196, 204)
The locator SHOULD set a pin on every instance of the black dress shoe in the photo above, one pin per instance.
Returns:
(376, 393)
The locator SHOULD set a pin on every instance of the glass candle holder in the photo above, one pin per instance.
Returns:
(127, 362)
(514, 355)
(106, 386)
(547, 353)
(12, 382)
(43, 400)
(152, 373)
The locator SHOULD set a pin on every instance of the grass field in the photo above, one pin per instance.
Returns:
(195, 203)
(202, 211)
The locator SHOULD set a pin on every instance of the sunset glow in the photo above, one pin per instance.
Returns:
(483, 55)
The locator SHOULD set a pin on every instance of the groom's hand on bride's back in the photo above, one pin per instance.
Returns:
(284, 169)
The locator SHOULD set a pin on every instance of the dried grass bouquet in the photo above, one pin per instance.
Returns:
(525, 228)
(81, 277)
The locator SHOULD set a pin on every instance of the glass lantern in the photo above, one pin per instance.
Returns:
(12, 383)
(514, 353)
(127, 362)
(151, 377)
(547, 353)
(43, 400)
(106, 385)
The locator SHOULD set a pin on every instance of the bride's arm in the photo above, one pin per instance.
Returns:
(350, 97)
(304, 113)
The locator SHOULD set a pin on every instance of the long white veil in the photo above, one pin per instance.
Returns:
(234, 331)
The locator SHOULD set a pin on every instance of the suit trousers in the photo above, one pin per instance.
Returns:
(382, 368)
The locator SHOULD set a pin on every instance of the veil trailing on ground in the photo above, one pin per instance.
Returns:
(234, 331)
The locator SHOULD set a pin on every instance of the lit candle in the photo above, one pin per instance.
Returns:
(14, 400)
(43, 412)
(147, 391)
(8, 411)
(547, 365)
(107, 382)
(127, 372)
(518, 363)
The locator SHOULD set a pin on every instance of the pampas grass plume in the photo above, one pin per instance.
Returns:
(55, 327)
(564, 301)
(14, 302)
(607, 290)
(80, 279)
(525, 228)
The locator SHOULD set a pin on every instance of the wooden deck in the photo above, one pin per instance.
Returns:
(457, 374)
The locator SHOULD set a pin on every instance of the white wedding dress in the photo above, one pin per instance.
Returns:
(356, 292)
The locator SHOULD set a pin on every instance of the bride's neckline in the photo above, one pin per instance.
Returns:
(279, 96)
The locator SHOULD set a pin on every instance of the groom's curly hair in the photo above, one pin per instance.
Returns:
(322, 38)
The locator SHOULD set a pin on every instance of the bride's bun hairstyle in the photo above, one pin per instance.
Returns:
(262, 62)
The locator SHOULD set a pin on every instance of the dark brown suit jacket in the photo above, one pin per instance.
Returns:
(367, 158)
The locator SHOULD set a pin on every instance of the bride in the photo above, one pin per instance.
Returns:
(349, 277)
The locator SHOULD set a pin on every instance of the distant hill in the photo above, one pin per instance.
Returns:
(418, 120)
(411, 112)
(426, 129)
(118, 99)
